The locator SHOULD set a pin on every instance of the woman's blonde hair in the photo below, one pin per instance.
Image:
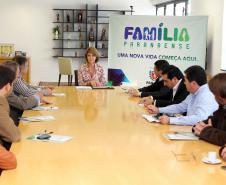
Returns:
(93, 51)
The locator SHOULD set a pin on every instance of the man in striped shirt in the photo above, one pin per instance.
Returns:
(20, 87)
(19, 103)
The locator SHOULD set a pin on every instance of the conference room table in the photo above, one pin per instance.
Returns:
(112, 145)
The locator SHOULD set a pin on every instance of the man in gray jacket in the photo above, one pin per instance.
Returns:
(8, 130)
(19, 103)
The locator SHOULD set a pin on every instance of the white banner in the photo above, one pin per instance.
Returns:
(136, 42)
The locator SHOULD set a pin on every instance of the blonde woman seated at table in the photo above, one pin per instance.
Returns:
(91, 73)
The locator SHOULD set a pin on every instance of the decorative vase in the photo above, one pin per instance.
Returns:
(56, 35)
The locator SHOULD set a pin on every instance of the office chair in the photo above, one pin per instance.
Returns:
(65, 69)
(76, 77)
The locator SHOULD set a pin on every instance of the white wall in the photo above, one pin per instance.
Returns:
(213, 9)
(28, 25)
(223, 53)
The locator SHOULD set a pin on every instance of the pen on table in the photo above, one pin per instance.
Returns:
(45, 132)
(193, 156)
(23, 117)
(154, 102)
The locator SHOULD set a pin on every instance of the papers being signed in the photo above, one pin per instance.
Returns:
(181, 136)
(52, 138)
(36, 119)
(42, 108)
(150, 118)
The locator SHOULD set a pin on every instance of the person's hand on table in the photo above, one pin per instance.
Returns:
(146, 101)
(50, 87)
(152, 109)
(134, 92)
(200, 126)
(44, 101)
(95, 83)
(48, 91)
(223, 153)
(164, 119)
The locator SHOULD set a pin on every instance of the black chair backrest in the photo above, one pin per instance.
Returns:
(76, 77)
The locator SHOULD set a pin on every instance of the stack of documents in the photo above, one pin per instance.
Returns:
(103, 87)
(42, 108)
(53, 138)
(83, 87)
(181, 136)
(141, 105)
(58, 94)
(150, 118)
(37, 118)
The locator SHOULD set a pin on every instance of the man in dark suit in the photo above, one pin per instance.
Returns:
(173, 78)
(157, 89)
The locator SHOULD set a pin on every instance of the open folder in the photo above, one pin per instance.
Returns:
(83, 87)
(181, 136)
(58, 94)
(103, 87)
(150, 118)
(44, 108)
(36, 119)
(53, 138)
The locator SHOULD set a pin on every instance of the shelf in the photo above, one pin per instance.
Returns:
(93, 17)
(102, 23)
(73, 40)
(69, 40)
(103, 16)
(79, 22)
(69, 48)
(73, 31)
(68, 9)
(115, 11)
(68, 56)
(91, 10)
(63, 22)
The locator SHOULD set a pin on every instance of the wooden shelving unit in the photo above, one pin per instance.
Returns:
(78, 34)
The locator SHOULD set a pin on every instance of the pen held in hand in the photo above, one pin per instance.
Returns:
(154, 103)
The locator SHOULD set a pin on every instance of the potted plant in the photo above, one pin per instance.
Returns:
(56, 32)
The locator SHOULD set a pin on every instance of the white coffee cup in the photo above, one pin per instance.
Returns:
(212, 157)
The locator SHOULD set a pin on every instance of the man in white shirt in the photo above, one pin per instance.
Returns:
(198, 105)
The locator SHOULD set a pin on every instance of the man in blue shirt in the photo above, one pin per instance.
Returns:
(198, 105)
